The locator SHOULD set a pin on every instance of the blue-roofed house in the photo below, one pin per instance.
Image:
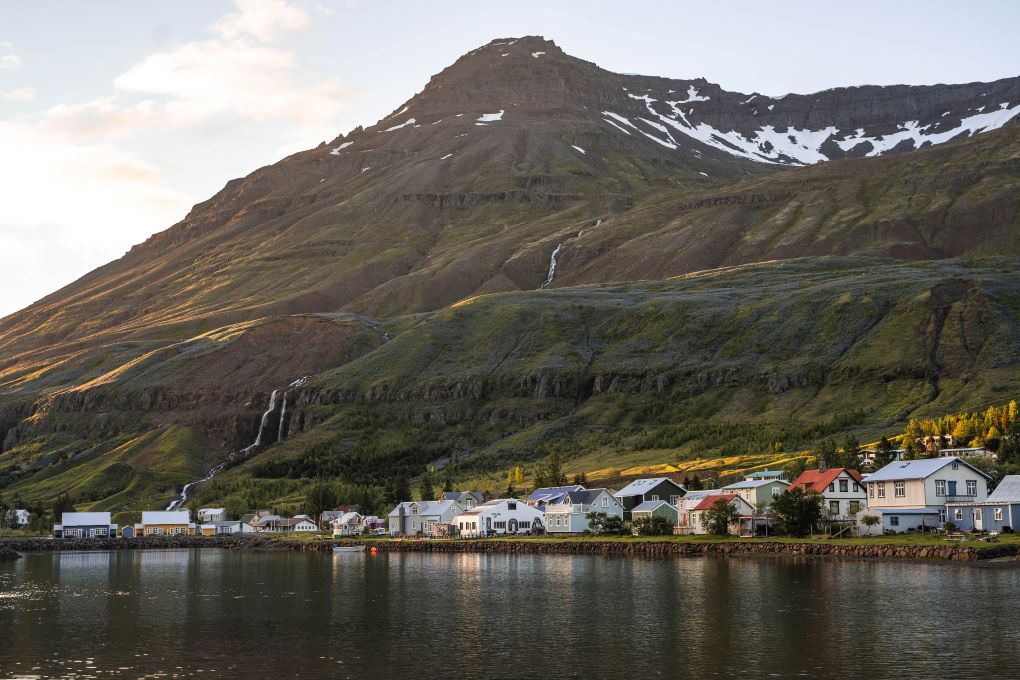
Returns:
(1000, 510)
(549, 495)
(912, 494)
(571, 515)
(649, 489)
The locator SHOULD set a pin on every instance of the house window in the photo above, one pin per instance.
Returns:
(881, 489)
(834, 507)
(871, 490)
(894, 520)
(653, 498)
(511, 505)
(832, 487)
(674, 501)
(940, 487)
(942, 516)
(958, 514)
(900, 489)
(956, 465)
(855, 507)
(844, 485)
(998, 514)
(857, 487)
(414, 510)
(972, 487)
(776, 491)
(605, 501)
(98, 532)
(72, 533)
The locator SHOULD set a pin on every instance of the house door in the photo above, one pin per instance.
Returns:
(488, 524)
(952, 489)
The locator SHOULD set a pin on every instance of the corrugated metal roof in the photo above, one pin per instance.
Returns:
(752, 483)
(916, 469)
(639, 487)
(648, 506)
(546, 492)
(424, 507)
(166, 517)
(80, 519)
(1008, 490)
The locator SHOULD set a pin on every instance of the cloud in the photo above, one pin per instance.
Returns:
(10, 62)
(18, 94)
(263, 20)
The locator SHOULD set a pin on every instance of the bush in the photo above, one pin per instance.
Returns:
(652, 526)
(720, 517)
(796, 512)
(949, 526)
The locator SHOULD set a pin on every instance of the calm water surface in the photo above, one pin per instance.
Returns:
(215, 613)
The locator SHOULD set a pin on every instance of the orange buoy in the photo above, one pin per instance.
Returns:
(374, 550)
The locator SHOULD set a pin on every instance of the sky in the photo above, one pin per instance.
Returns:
(117, 116)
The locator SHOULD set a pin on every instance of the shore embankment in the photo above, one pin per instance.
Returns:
(544, 546)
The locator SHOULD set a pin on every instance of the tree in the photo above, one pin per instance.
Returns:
(884, 453)
(851, 455)
(870, 521)
(448, 481)
(399, 489)
(61, 505)
(795, 512)
(580, 478)
(720, 517)
(1009, 445)
(320, 497)
(551, 473)
(693, 483)
(794, 468)
(425, 488)
(652, 526)
(827, 454)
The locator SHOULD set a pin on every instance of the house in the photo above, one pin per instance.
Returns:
(327, 517)
(650, 509)
(571, 514)
(498, 517)
(411, 518)
(744, 525)
(548, 495)
(757, 492)
(349, 524)
(690, 501)
(842, 489)
(1000, 510)
(165, 523)
(230, 527)
(912, 494)
(277, 524)
(20, 518)
(651, 489)
(869, 456)
(212, 515)
(84, 525)
(767, 474)
(465, 499)
(963, 453)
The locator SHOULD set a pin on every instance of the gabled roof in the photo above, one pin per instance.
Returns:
(214, 511)
(916, 469)
(461, 495)
(585, 496)
(547, 493)
(819, 480)
(709, 501)
(166, 517)
(81, 519)
(351, 517)
(639, 487)
(424, 507)
(1008, 490)
(753, 483)
(698, 494)
(649, 506)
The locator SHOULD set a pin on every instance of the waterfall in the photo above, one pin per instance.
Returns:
(552, 266)
(248, 450)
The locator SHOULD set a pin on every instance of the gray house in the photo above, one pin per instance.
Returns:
(649, 490)
(1001, 509)
(84, 525)
(465, 499)
(428, 518)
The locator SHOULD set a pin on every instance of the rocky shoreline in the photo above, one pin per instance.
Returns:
(666, 548)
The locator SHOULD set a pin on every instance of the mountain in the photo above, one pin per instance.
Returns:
(517, 170)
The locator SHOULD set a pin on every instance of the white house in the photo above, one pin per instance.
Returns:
(275, 524)
(84, 525)
(690, 501)
(912, 494)
(429, 518)
(696, 516)
(841, 488)
(233, 527)
(212, 515)
(348, 524)
(570, 516)
(498, 517)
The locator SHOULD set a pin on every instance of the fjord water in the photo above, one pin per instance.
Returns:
(212, 613)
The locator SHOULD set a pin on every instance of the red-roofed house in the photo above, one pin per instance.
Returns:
(696, 515)
(842, 489)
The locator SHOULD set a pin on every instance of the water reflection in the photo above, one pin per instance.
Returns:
(222, 613)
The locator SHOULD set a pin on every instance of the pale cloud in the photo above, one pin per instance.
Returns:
(18, 94)
(10, 62)
(263, 20)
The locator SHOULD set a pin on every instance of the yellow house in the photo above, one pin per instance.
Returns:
(166, 523)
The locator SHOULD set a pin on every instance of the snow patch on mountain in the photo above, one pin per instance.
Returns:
(489, 117)
(336, 151)
(409, 121)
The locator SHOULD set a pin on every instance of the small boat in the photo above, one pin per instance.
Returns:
(348, 548)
